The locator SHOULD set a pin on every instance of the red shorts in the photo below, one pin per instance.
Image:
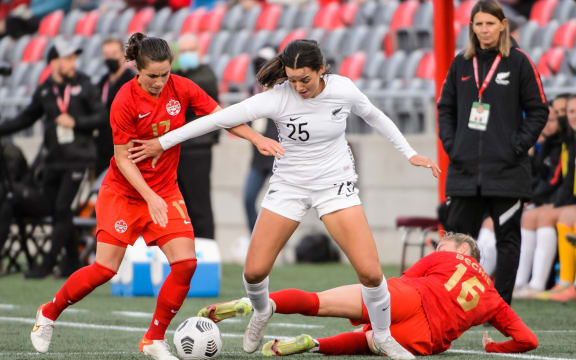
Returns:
(121, 220)
(409, 322)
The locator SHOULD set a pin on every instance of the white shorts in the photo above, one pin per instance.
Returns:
(294, 201)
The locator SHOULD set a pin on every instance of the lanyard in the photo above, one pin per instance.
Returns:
(62, 103)
(488, 76)
(105, 89)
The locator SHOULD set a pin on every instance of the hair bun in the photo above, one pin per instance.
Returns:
(134, 45)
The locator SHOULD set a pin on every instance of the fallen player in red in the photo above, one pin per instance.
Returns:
(433, 303)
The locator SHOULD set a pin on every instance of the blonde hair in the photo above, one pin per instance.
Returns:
(493, 8)
(460, 239)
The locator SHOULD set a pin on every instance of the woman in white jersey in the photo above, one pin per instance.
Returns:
(315, 169)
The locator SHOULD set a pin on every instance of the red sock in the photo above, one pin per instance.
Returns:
(294, 301)
(78, 285)
(171, 297)
(350, 343)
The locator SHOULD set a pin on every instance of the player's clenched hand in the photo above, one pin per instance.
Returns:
(419, 160)
(158, 209)
(146, 149)
(269, 147)
(486, 339)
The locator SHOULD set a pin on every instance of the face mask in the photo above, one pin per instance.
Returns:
(188, 60)
(112, 64)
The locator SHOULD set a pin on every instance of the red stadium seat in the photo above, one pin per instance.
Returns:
(348, 12)
(565, 35)
(427, 67)
(402, 18)
(193, 21)
(293, 35)
(204, 42)
(352, 66)
(35, 49)
(50, 24)
(141, 20)
(462, 12)
(550, 61)
(44, 75)
(542, 11)
(235, 71)
(328, 17)
(212, 20)
(268, 18)
(87, 24)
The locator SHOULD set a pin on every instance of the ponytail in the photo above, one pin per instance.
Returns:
(271, 73)
(143, 49)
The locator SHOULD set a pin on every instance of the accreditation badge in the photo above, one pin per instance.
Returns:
(479, 116)
(65, 135)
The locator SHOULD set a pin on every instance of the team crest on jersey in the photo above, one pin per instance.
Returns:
(121, 226)
(173, 107)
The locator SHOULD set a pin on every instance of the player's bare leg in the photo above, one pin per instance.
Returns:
(350, 229)
(270, 234)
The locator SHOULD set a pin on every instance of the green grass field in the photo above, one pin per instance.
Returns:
(96, 329)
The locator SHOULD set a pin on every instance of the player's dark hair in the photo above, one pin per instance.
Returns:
(493, 8)
(296, 55)
(143, 49)
(460, 239)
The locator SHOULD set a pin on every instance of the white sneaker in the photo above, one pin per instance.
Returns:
(392, 349)
(255, 330)
(42, 331)
(157, 349)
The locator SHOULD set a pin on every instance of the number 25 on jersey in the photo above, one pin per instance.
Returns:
(468, 288)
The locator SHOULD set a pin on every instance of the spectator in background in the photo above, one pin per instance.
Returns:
(118, 74)
(196, 154)
(68, 103)
(261, 166)
(491, 112)
(25, 19)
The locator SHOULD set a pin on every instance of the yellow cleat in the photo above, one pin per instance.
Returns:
(291, 346)
(226, 310)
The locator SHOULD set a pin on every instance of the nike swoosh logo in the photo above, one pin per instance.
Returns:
(272, 192)
(386, 308)
(296, 118)
(336, 111)
(187, 222)
(140, 116)
(465, 78)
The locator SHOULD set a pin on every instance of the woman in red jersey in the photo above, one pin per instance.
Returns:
(143, 199)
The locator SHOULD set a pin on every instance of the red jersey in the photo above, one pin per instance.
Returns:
(458, 294)
(135, 114)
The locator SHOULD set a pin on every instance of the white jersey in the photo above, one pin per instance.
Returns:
(312, 131)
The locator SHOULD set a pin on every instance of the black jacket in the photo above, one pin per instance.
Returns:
(546, 177)
(204, 77)
(493, 162)
(84, 107)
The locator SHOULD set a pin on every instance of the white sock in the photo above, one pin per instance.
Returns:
(546, 244)
(377, 301)
(526, 257)
(488, 252)
(258, 295)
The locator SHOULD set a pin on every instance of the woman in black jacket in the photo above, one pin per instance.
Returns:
(491, 111)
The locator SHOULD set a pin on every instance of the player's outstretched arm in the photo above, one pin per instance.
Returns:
(509, 324)
(419, 160)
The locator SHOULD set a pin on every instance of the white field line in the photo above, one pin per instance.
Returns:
(80, 325)
(135, 314)
(8, 306)
(515, 356)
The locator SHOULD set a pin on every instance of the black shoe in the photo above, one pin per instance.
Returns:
(38, 272)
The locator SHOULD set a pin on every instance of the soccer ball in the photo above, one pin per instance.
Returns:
(198, 338)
